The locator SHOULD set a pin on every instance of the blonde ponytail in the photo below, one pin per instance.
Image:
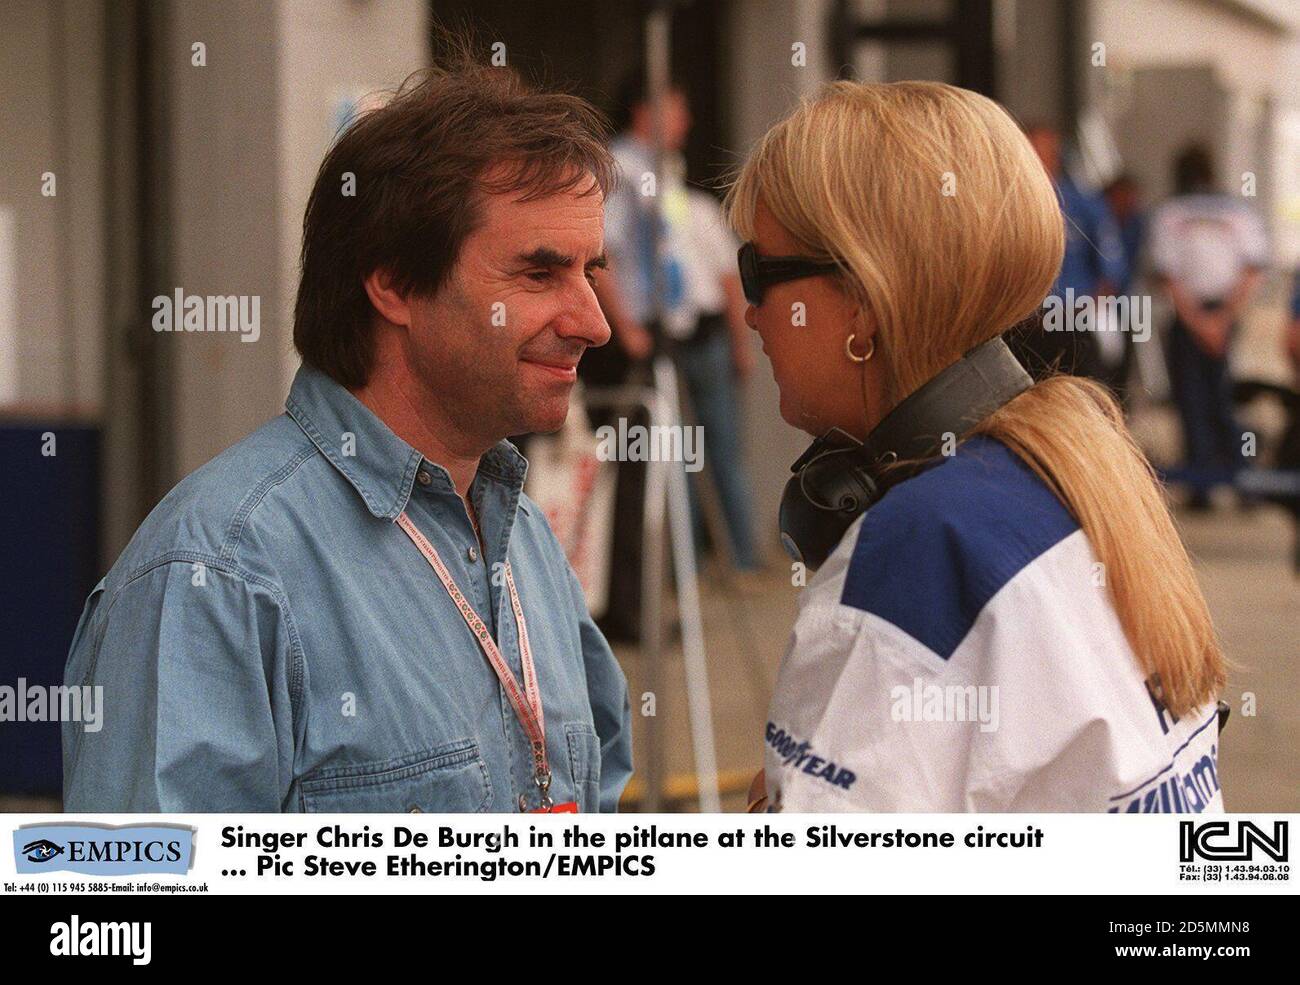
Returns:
(1071, 433)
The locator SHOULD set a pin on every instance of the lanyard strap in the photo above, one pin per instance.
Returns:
(526, 701)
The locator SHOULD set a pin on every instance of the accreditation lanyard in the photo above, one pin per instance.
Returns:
(526, 700)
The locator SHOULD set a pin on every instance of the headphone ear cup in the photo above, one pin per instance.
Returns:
(840, 483)
(821, 501)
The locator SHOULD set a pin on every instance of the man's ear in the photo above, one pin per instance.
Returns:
(391, 304)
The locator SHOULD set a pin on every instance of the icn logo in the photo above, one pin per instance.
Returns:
(42, 850)
(1216, 841)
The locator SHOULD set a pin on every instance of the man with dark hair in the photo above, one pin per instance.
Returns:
(356, 608)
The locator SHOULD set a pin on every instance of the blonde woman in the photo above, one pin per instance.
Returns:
(1014, 624)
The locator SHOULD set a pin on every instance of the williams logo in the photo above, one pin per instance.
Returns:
(1214, 840)
(42, 850)
(103, 851)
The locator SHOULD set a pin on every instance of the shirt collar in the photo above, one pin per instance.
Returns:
(380, 466)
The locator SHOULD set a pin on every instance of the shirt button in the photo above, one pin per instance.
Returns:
(423, 477)
(472, 554)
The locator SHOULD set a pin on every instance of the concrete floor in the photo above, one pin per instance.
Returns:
(1243, 561)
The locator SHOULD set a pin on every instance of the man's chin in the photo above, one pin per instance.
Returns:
(546, 417)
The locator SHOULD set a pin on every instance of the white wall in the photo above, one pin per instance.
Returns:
(1248, 54)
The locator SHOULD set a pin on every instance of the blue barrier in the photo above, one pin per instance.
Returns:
(49, 533)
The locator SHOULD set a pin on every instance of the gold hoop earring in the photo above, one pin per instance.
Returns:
(848, 349)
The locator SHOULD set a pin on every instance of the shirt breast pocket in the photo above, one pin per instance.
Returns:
(584, 764)
(450, 779)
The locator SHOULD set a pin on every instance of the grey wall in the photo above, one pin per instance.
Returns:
(238, 144)
(50, 113)
(765, 87)
(329, 51)
(225, 237)
(249, 132)
(1170, 106)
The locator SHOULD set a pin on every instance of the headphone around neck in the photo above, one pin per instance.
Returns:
(838, 478)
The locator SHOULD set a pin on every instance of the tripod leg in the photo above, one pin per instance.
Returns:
(699, 704)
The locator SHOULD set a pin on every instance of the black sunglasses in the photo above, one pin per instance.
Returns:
(759, 273)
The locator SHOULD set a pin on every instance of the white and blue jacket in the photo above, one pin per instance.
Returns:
(959, 651)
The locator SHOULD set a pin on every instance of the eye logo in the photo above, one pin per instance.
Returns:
(42, 850)
(98, 849)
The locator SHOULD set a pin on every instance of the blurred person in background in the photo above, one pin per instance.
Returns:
(1034, 562)
(335, 614)
(661, 233)
(1124, 198)
(1288, 455)
(714, 359)
(1208, 251)
(1093, 267)
(1292, 334)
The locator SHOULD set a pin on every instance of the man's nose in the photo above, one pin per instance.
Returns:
(585, 320)
(751, 317)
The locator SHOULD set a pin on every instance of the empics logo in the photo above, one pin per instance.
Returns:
(100, 850)
(75, 939)
(1212, 840)
(41, 850)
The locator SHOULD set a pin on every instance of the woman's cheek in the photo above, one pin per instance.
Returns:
(781, 365)
(795, 383)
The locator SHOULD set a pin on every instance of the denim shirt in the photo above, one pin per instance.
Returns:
(271, 640)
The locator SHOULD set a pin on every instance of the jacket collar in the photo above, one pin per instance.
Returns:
(380, 466)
